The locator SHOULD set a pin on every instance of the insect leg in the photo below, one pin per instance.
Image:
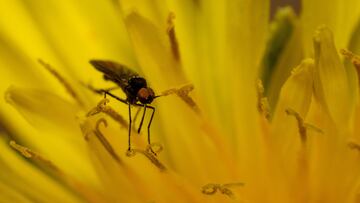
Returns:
(142, 119)
(148, 127)
(129, 141)
(100, 91)
(135, 117)
(115, 97)
(106, 91)
(151, 118)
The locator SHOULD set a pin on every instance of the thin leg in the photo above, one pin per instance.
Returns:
(142, 119)
(148, 128)
(115, 97)
(135, 117)
(129, 143)
(100, 91)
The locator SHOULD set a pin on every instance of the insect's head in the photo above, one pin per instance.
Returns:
(145, 95)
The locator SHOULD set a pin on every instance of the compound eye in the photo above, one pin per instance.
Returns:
(145, 95)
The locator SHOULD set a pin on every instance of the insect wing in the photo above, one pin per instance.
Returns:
(116, 72)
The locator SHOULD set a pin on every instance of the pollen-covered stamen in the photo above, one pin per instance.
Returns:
(172, 36)
(63, 81)
(300, 122)
(154, 148)
(99, 108)
(102, 107)
(303, 127)
(183, 93)
(104, 141)
(355, 59)
(211, 188)
(263, 103)
(87, 193)
(149, 153)
(184, 89)
(28, 153)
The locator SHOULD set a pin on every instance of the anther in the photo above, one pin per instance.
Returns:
(300, 122)
(23, 150)
(183, 93)
(355, 60)
(263, 103)
(99, 108)
(102, 107)
(28, 153)
(154, 148)
(303, 127)
(88, 194)
(172, 36)
(212, 188)
(149, 155)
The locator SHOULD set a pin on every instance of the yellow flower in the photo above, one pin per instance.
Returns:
(231, 139)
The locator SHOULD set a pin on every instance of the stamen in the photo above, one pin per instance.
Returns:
(99, 107)
(212, 188)
(87, 193)
(303, 127)
(104, 141)
(28, 153)
(63, 81)
(185, 89)
(355, 59)
(115, 115)
(172, 36)
(263, 103)
(183, 93)
(102, 107)
(149, 153)
(300, 121)
(158, 148)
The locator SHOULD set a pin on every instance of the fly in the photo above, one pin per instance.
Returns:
(134, 86)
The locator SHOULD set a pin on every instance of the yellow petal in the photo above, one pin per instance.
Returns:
(164, 71)
(154, 53)
(354, 43)
(57, 135)
(353, 73)
(9, 194)
(332, 87)
(43, 109)
(287, 136)
(296, 94)
(283, 53)
(341, 17)
(20, 176)
(67, 34)
(328, 154)
(126, 174)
